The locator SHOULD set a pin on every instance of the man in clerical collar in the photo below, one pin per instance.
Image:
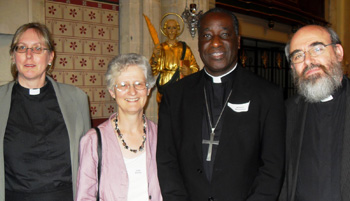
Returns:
(221, 133)
(318, 135)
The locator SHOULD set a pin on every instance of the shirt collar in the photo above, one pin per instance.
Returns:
(329, 98)
(217, 79)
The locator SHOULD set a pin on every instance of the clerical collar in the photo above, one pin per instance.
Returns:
(34, 91)
(337, 92)
(217, 79)
(329, 98)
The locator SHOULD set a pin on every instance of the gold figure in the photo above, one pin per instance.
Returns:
(168, 61)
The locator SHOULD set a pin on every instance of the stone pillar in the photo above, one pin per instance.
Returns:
(130, 12)
(336, 13)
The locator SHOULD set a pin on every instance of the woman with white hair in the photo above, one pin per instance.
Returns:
(129, 139)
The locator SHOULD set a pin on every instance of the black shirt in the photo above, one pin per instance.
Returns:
(36, 144)
(319, 169)
(217, 94)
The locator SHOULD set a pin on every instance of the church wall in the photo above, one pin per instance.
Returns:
(253, 27)
(86, 35)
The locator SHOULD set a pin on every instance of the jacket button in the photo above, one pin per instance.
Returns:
(210, 199)
(150, 197)
(199, 171)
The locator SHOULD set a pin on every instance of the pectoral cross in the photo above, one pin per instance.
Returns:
(210, 142)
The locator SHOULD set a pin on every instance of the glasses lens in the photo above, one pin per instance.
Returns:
(317, 50)
(21, 48)
(125, 86)
(122, 86)
(140, 85)
(37, 49)
(298, 57)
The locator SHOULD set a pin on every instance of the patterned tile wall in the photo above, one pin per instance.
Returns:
(86, 38)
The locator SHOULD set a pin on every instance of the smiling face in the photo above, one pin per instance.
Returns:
(31, 67)
(171, 29)
(218, 43)
(131, 101)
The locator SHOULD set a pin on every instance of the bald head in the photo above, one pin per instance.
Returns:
(318, 32)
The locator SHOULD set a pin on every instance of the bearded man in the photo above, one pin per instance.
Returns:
(318, 119)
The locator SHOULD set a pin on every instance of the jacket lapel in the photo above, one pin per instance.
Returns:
(194, 118)
(295, 134)
(68, 109)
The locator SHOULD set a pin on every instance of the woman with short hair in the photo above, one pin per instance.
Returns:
(129, 139)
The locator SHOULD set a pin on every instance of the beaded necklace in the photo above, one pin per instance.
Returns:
(120, 136)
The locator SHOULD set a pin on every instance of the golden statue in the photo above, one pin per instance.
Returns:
(172, 59)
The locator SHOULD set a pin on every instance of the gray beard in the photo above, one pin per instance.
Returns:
(318, 87)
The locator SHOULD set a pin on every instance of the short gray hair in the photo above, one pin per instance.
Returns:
(121, 62)
(334, 39)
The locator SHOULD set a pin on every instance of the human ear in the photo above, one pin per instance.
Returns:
(339, 52)
(52, 55)
(111, 92)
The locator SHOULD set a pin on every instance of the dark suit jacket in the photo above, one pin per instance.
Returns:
(296, 115)
(249, 164)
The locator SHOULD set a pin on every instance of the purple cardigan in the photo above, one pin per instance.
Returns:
(114, 177)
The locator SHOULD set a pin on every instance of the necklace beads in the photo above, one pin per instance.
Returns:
(120, 135)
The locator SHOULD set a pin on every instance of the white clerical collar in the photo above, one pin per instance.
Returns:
(34, 91)
(217, 79)
(329, 98)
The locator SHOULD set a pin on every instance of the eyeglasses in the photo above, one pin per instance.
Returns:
(36, 49)
(314, 51)
(123, 86)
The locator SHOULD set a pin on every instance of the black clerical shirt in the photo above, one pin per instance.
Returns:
(320, 160)
(217, 94)
(36, 147)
